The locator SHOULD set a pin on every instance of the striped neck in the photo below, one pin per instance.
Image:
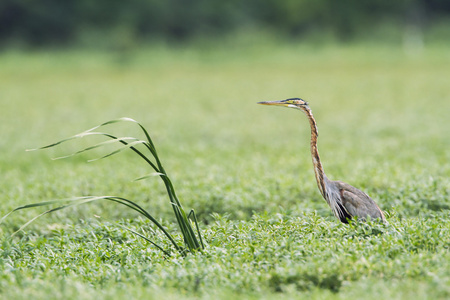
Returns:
(318, 169)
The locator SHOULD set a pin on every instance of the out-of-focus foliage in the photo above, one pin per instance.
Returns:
(71, 21)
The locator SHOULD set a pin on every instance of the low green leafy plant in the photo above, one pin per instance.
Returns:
(192, 241)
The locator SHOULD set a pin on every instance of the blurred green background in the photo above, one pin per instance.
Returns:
(114, 23)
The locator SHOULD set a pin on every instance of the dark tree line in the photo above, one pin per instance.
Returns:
(61, 21)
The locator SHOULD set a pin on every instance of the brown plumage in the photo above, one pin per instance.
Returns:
(345, 200)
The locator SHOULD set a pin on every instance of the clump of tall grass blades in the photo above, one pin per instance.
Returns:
(192, 241)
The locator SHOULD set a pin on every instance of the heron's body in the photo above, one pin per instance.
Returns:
(345, 200)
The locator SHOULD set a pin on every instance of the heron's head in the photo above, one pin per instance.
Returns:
(291, 102)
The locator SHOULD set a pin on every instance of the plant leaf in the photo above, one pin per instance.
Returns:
(97, 146)
(127, 145)
(149, 176)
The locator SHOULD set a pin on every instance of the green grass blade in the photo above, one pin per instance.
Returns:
(114, 139)
(76, 136)
(125, 119)
(184, 221)
(171, 190)
(149, 176)
(186, 229)
(127, 146)
(107, 123)
(81, 200)
(192, 212)
(47, 212)
(151, 145)
(143, 156)
(142, 236)
(45, 203)
(139, 209)
(145, 238)
(98, 146)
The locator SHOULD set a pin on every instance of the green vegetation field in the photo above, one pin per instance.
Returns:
(383, 117)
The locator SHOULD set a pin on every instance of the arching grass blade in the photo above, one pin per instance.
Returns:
(192, 241)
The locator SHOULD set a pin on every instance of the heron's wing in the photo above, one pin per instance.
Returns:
(359, 203)
(353, 204)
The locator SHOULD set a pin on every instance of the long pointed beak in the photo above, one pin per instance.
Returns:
(278, 103)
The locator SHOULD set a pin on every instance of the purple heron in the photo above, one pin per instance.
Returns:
(345, 200)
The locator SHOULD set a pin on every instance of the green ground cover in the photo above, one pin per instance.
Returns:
(245, 169)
